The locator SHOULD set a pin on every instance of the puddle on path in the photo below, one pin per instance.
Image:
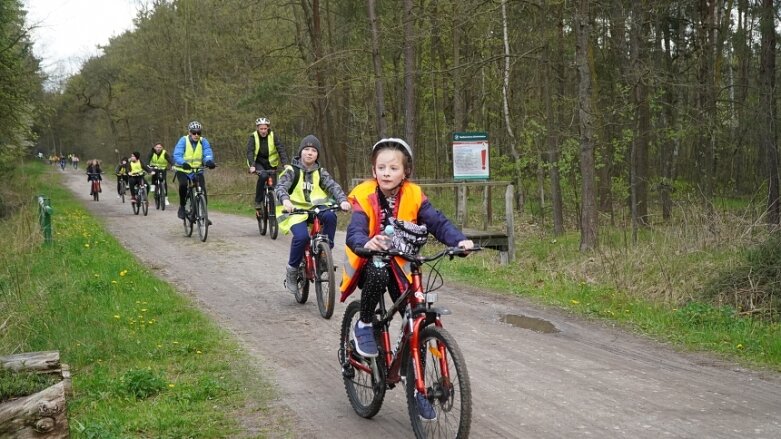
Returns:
(535, 324)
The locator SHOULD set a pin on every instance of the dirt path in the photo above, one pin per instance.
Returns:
(584, 381)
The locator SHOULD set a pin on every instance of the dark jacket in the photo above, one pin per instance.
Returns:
(261, 160)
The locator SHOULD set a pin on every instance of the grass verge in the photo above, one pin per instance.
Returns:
(145, 361)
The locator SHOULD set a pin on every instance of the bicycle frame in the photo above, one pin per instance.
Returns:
(314, 237)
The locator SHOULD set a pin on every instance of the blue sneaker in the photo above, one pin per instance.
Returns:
(425, 409)
(364, 341)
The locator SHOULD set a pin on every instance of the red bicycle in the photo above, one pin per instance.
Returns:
(317, 266)
(425, 356)
(94, 178)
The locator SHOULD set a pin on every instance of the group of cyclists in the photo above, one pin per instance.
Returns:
(386, 200)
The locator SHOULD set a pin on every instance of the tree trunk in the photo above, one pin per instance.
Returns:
(409, 74)
(588, 216)
(506, 111)
(379, 91)
(639, 154)
(767, 108)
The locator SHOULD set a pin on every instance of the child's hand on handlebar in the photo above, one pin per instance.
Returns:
(345, 206)
(288, 205)
(466, 244)
(379, 242)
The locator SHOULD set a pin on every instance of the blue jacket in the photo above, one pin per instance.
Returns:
(182, 143)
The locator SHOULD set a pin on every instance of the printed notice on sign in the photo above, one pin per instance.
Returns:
(470, 157)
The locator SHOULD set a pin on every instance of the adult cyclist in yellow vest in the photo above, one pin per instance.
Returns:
(159, 159)
(190, 153)
(136, 170)
(376, 202)
(304, 184)
(265, 152)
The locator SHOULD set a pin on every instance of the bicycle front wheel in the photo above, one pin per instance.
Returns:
(262, 217)
(144, 203)
(188, 217)
(122, 192)
(303, 283)
(202, 217)
(365, 390)
(447, 387)
(136, 205)
(158, 198)
(272, 216)
(325, 289)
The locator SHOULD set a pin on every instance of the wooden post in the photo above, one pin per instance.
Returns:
(487, 207)
(42, 414)
(508, 209)
(461, 210)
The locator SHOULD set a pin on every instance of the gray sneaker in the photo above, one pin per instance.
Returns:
(291, 279)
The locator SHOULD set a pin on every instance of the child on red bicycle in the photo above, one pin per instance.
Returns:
(304, 184)
(377, 203)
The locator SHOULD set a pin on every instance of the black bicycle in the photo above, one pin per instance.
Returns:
(122, 186)
(195, 212)
(159, 188)
(141, 203)
(266, 214)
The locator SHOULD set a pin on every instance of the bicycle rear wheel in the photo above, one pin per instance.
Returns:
(272, 215)
(158, 198)
(325, 289)
(122, 191)
(95, 191)
(365, 391)
(202, 217)
(163, 193)
(450, 395)
(303, 283)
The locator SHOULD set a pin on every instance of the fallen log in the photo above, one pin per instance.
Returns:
(42, 414)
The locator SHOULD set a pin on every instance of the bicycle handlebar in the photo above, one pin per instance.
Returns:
(315, 210)
(419, 259)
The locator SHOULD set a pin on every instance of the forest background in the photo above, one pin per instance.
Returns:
(635, 114)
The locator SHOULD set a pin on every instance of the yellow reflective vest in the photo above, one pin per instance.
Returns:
(273, 154)
(136, 168)
(304, 196)
(158, 160)
(192, 155)
(408, 203)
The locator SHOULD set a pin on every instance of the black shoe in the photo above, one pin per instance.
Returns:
(180, 214)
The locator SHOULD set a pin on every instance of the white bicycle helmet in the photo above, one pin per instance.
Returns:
(194, 126)
(262, 121)
(397, 144)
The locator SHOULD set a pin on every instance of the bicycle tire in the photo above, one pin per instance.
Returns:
(451, 399)
(95, 191)
(325, 284)
(136, 205)
(122, 192)
(157, 198)
(365, 392)
(144, 203)
(202, 217)
(273, 226)
(163, 194)
(260, 214)
(303, 283)
(188, 217)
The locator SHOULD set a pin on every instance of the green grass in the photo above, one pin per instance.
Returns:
(145, 362)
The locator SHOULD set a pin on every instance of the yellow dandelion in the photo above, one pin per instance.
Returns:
(739, 346)
(198, 352)
(574, 302)
(159, 346)
(113, 282)
(143, 309)
(116, 316)
(86, 245)
(151, 322)
(97, 275)
(123, 272)
(171, 385)
(176, 342)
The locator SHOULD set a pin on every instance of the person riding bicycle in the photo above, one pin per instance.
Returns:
(265, 152)
(159, 159)
(121, 172)
(304, 184)
(94, 172)
(190, 152)
(136, 170)
(377, 203)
